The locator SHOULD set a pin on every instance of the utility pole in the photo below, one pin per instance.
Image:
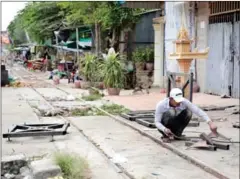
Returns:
(77, 39)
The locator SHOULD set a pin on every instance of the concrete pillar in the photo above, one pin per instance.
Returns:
(158, 25)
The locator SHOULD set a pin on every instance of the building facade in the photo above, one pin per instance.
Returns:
(209, 25)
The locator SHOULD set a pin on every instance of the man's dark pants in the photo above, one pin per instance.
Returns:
(176, 122)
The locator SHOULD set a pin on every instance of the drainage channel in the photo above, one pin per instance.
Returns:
(184, 156)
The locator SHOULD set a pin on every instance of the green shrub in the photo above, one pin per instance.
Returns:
(114, 109)
(92, 97)
(72, 166)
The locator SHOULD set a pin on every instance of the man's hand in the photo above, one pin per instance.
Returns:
(168, 132)
(213, 127)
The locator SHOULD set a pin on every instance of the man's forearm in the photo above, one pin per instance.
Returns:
(158, 123)
(160, 126)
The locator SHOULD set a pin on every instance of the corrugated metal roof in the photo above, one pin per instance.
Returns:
(144, 4)
(149, 11)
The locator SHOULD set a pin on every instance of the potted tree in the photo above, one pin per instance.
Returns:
(139, 58)
(149, 52)
(113, 73)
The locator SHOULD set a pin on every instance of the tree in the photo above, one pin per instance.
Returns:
(40, 19)
(104, 16)
(86, 13)
(16, 33)
(118, 18)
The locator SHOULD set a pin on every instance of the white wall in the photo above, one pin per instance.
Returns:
(173, 16)
(202, 41)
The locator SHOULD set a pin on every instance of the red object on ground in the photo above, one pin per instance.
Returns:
(77, 84)
(29, 65)
(45, 61)
(60, 67)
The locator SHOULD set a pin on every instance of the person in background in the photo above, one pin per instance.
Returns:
(173, 114)
(26, 56)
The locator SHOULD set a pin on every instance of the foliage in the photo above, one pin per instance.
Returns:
(10, 47)
(114, 109)
(81, 112)
(40, 19)
(91, 67)
(149, 51)
(139, 55)
(142, 54)
(119, 17)
(92, 97)
(83, 12)
(72, 166)
(113, 71)
(16, 32)
(109, 15)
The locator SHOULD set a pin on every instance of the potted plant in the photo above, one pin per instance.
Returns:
(139, 58)
(91, 70)
(149, 58)
(113, 73)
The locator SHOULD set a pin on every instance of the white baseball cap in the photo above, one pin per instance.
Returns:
(177, 95)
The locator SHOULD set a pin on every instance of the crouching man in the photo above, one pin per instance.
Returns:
(173, 114)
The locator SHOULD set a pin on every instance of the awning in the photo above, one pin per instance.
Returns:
(67, 49)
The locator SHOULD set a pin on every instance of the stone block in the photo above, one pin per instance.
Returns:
(25, 171)
(43, 169)
(9, 176)
(12, 164)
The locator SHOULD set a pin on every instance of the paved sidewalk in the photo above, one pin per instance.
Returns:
(149, 101)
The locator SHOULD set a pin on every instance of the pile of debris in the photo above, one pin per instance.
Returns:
(19, 167)
(45, 111)
(62, 98)
(18, 84)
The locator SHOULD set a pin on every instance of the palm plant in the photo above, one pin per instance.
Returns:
(91, 68)
(113, 71)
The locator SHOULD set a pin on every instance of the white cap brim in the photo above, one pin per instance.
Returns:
(178, 99)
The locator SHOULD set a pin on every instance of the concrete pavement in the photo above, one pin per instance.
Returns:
(15, 110)
(149, 101)
(224, 161)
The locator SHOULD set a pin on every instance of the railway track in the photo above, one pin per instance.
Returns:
(205, 169)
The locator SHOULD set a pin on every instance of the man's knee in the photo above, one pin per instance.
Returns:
(168, 116)
(188, 113)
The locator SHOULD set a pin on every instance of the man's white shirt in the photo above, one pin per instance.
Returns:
(163, 106)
